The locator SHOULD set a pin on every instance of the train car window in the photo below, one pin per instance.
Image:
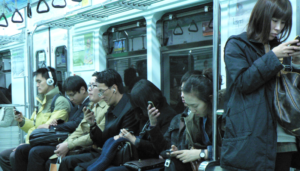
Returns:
(176, 64)
(41, 59)
(61, 56)
(182, 27)
(136, 67)
(5, 68)
(127, 37)
(185, 47)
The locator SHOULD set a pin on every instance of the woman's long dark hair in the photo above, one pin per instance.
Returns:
(260, 20)
(144, 91)
(201, 86)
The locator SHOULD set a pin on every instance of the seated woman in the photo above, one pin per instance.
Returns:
(189, 137)
(142, 92)
(6, 113)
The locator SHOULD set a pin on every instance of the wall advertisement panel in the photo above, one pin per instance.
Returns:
(83, 52)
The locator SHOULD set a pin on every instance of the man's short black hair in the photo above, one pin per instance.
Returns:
(45, 74)
(110, 77)
(95, 74)
(129, 75)
(74, 83)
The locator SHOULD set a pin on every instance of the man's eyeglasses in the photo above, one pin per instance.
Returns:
(92, 86)
(70, 96)
(101, 92)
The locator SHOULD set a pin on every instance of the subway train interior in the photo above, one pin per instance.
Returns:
(161, 39)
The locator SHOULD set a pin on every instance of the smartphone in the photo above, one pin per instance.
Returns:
(151, 104)
(88, 108)
(295, 44)
(168, 152)
(60, 121)
(17, 112)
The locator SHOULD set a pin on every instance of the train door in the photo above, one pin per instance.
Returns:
(126, 46)
(9, 130)
(59, 53)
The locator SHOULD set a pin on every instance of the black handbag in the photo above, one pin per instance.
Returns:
(46, 136)
(287, 101)
(145, 164)
(124, 154)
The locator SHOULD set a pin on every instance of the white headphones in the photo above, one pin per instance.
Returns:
(114, 90)
(50, 80)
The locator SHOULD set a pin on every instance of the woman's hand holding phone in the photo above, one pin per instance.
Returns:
(89, 115)
(296, 54)
(153, 113)
(285, 50)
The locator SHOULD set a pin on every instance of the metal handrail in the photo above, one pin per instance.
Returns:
(12, 105)
(215, 73)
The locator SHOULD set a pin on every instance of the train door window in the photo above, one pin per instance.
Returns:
(41, 59)
(61, 56)
(179, 63)
(61, 63)
(127, 37)
(5, 72)
(135, 68)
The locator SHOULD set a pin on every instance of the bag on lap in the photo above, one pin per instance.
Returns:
(145, 164)
(46, 136)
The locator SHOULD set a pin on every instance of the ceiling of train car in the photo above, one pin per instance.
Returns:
(98, 12)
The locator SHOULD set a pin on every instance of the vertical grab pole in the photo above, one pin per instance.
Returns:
(30, 76)
(216, 5)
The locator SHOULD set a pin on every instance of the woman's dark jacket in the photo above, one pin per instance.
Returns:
(144, 146)
(117, 117)
(250, 132)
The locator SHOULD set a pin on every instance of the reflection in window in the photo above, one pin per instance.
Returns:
(131, 70)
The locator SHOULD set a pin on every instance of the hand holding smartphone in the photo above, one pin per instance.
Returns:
(151, 104)
(296, 38)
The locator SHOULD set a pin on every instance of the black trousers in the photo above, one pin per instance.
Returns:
(69, 163)
(286, 160)
(7, 159)
(32, 158)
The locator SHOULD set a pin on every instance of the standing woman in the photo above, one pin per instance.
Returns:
(253, 140)
(6, 113)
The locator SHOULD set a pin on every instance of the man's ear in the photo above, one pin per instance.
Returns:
(82, 90)
(114, 88)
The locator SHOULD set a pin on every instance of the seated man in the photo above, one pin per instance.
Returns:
(119, 115)
(80, 138)
(41, 118)
(34, 159)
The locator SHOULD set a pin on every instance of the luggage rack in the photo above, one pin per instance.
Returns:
(98, 12)
(10, 39)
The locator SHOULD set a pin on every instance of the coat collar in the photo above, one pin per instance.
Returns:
(121, 106)
(44, 98)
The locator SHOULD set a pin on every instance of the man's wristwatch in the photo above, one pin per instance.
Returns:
(202, 154)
